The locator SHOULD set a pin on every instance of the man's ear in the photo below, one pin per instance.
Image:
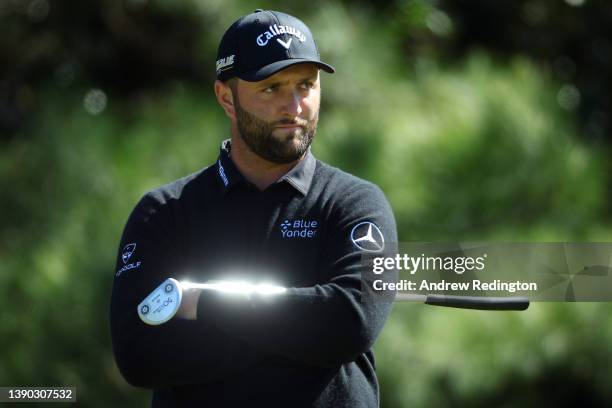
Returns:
(225, 97)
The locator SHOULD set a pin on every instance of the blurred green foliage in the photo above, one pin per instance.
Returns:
(476, 149)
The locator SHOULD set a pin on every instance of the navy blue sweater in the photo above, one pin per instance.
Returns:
(310, 347)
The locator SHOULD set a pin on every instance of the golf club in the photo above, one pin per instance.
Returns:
(165, 300)
(468, 302)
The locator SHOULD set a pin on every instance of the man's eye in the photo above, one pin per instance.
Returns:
(270, 89)
(307, 85)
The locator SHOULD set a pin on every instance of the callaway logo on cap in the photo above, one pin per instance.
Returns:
(264, 42)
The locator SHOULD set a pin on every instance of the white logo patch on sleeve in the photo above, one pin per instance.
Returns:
(367, 237)
(128, 250)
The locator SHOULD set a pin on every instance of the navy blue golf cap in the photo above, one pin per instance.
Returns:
(264, 42)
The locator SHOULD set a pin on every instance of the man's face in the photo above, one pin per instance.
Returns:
(277, 117)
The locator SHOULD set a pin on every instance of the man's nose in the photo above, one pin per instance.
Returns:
(292, 104)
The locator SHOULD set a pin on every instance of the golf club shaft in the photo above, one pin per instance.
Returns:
(468, 302)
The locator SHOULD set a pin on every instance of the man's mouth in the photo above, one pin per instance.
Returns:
(293, 125)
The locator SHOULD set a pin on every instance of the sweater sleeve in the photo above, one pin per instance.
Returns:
(175, 353)
(327, 324)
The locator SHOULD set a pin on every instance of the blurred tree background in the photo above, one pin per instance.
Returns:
(480, 120)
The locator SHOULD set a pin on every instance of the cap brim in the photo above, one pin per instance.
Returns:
(268, 70)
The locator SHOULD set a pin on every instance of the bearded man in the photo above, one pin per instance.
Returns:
(265, 211)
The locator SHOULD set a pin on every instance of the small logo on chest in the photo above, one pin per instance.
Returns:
(298, 228)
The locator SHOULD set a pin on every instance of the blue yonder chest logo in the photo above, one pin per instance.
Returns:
(298, 228)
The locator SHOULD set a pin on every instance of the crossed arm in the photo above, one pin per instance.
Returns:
(214, 336)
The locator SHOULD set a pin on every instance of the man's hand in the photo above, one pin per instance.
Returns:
(189, 304)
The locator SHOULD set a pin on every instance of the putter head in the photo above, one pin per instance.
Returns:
(161, 304)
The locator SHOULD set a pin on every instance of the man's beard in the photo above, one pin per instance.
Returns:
(257, 134)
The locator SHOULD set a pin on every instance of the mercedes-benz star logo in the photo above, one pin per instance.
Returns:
(367, 237)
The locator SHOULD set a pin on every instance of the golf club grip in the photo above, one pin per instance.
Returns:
(479, 303)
